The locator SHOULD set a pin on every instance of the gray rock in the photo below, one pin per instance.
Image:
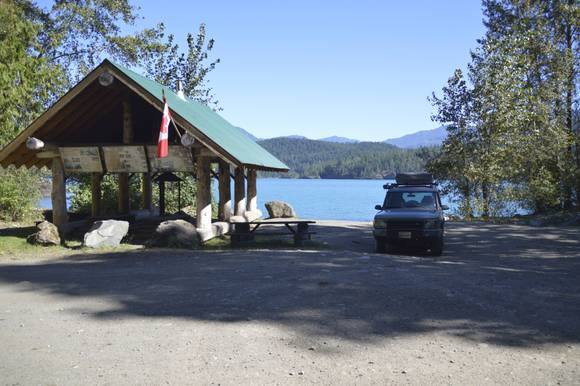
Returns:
(277, 209)
(251, 215)
(47, 235)
(175, 234)
(107, 233)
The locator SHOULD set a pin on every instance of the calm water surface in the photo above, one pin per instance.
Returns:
(317, 199)
(326, 199)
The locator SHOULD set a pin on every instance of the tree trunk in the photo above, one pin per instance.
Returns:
(570, 88)
(485, 198)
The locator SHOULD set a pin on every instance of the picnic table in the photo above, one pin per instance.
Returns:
(246, 231)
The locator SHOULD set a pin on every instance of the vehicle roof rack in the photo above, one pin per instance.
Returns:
(412, 179)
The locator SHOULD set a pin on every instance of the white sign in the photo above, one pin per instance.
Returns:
(81, 159)
(178, 160)
(125, 159)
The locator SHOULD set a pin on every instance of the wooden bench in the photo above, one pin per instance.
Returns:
(246, 231)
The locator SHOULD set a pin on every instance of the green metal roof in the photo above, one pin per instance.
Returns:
(211, 124)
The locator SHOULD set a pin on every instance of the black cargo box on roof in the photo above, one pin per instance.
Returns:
(414, 178)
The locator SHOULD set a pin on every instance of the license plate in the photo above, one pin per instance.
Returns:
(404, 235)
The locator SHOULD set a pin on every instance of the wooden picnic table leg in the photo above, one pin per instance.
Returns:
(238, 232)
(301, 234)
(241, 233)
(303, 230)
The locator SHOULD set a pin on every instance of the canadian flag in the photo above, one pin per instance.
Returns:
(162, 145)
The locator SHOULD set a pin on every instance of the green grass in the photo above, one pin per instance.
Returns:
(13, 243)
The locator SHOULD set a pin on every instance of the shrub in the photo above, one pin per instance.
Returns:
(20, 190)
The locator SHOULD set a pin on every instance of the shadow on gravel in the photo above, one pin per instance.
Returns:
(505, 285)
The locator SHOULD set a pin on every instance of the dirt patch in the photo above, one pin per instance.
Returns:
(500, 307)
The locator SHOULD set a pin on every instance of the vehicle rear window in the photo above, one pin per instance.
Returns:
(423, 200)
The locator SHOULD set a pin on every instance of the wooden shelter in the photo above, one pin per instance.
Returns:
(109, 123)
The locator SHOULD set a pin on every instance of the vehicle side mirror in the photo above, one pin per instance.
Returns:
(378, 207)
(444, 207)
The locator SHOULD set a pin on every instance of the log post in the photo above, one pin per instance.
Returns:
(225, 201)
(161, 198)
(252, 199)
(239, 191)
(203, 196)
(58, 196)
(147, 190)
(124, 198)
(96, 194)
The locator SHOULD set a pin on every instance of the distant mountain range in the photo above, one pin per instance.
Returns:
(336, 139)
(424, 138)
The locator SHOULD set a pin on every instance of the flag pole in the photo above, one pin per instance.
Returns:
(170, 116)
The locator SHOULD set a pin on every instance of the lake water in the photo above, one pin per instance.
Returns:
(326, 199)
(318, 199)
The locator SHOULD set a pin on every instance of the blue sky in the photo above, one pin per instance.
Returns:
(359, 69)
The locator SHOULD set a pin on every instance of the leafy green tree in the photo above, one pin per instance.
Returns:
(191, 67)
(456, 163)
(27, 80)
(44, 50)
(19, 192)
(523, 134)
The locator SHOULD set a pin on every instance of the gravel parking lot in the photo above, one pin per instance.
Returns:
(502, 306)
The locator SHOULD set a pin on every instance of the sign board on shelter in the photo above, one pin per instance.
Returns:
(178, 160)
(125, 159)
(81, 159)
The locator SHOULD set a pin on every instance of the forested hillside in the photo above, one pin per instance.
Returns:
(319, 159)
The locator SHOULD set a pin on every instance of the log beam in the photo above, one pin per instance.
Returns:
(225, 200)
(58, 194)
(51, 153)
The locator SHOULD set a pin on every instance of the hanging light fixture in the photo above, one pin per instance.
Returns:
(34, 143)
(106, 79)
(187, 140)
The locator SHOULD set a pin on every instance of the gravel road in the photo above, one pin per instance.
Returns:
(502, 306)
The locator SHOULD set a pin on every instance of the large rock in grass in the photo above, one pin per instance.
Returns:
(280, 209)
(107, 233)
(47, 235)
(175, 234)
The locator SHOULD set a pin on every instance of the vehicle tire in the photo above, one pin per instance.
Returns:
(437, 248)
(380, 245)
